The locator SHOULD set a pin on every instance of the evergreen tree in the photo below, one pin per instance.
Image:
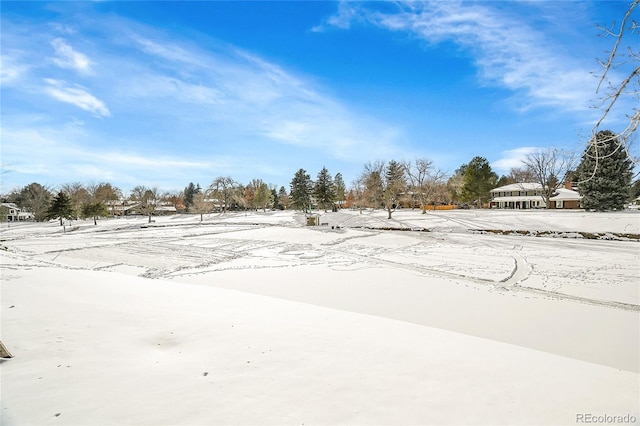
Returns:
(274, 198)
(94, 210)
(395, 183)
(301, 189)
(634, 192)
(478, 179)
(324, 189)
(60, 208)
(283, 198)
(189, 192)
(605, 173)
(341, 188)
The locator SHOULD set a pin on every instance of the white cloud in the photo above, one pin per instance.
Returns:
(62, 155)
(11, 69)
(149, 161)
(508, 51)
(181, 110)
(249, 97)
(77, 96)
(68, 58)
(513, 158)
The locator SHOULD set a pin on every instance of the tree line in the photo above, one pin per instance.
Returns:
(603, 176)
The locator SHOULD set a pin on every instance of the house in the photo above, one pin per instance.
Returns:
(525, 195)
(529, 195)
(122, 207)
(165, 208)
(12, 213)
(565, 198)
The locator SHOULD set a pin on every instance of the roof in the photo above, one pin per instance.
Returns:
(524, 186)
(564, 194)
(519, 198)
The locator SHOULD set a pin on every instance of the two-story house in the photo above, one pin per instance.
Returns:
(529, 195)
(12, 213)
(526, 195)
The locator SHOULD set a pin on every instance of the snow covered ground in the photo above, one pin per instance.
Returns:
(257, 319)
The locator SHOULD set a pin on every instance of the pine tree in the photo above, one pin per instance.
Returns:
(283, 198)
(605, 173)
(478, 179)
(394, 184)
(60, 208)
(301, 189)
(341, 189)
(189, 192)
(324, 189)
(94, 210)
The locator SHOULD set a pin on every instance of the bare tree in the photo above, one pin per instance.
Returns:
(106, 193)
(521, 175)
(550, 168)
(78, 194)
(176, 198)
(371, 184)
(201, 204)
(147, 197)
(624, 62)
(424, 181)
(225, 189)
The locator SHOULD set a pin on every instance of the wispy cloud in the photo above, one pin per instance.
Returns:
(62, 154)
(513, 158)
(507, 50)
(67, 57)
(77, 96)
(11, 69)
(181, 109)
(253, 96)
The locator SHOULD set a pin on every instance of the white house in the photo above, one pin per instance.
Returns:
(12, 213)
(529, 195)
(526, 195)
(565, 198)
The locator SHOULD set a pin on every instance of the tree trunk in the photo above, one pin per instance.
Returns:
(149, 217)
(95, 220)
(60, 220)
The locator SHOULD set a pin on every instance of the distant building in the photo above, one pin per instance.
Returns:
(122, 207)
(526, 195)
(565, 198)
(12, 213)
(529, 195)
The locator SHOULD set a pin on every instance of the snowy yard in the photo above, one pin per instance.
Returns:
(257, 319)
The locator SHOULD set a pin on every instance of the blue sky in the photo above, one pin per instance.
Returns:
(167, 93)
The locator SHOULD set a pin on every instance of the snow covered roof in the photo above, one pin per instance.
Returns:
(524, 186)
(519, 198)
(565, 194)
